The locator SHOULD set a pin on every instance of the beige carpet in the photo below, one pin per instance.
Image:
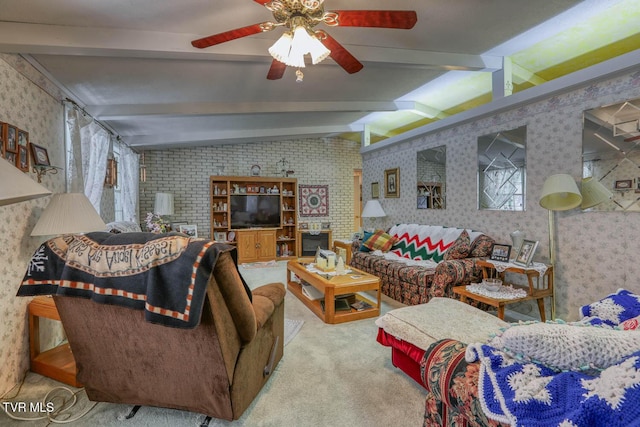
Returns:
(330, 375)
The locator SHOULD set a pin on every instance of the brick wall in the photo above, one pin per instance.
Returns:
(185, 172)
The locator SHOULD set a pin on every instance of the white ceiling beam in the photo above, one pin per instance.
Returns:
(65, 40)
(522, 75)
(420, 109)
(125, 112)
(227, 135)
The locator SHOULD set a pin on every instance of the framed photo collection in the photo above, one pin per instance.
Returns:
(15, 147)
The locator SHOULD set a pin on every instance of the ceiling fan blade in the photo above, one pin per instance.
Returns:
(232, 35)
(340, 54)
(277, 70)
(403, 19)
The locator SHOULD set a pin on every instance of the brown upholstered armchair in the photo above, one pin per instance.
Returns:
(215, 369)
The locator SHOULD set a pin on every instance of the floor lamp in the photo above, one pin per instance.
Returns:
(559, 193)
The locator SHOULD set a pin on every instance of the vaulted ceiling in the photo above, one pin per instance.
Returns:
(130, 64)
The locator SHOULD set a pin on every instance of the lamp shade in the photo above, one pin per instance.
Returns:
(593, 193)
(163, 204)
(560, 193)
(372, 209)
(16, 186)
(68, 213)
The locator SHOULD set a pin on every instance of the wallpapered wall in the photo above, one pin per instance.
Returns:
(24, 104)
(186, 172)
(596, 251)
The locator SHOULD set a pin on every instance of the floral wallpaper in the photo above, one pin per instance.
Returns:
(29, 107)
(596, 251)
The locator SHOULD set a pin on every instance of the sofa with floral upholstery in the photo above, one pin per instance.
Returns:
(418, 262)
(540, 374)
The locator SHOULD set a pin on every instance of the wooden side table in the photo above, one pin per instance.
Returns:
(538, 288)
(346, 245)
(57, 363)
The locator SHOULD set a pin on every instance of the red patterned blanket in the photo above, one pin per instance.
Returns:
(164, 274)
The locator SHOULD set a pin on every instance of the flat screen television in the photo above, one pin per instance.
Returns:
(255, 210)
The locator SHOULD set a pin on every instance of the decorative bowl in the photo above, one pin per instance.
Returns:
(492, 285)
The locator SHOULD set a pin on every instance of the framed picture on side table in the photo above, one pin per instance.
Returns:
(525, 254)
(220, 236)
(190, 230)
(500, 252)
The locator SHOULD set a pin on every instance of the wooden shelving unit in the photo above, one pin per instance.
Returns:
(256, 244)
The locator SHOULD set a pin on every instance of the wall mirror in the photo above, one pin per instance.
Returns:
(502, 170)
(611, 154)
(431, 168)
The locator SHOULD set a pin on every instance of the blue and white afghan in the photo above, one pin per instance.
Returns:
(533, 395)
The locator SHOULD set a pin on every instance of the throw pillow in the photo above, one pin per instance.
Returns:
(365, 236)
(460, 248)
(566, 346)
(613, 309)
(380, 240)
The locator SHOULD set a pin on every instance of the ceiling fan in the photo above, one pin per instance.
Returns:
(300, 17)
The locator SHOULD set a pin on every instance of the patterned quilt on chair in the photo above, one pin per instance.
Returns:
(164, 274)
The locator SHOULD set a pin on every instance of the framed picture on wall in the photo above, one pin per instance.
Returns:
(40, 155)
(3, 137)
(525, 254)
(22, 161)
(23, 138)
(11, 143)
(392, 183)
(375, 190)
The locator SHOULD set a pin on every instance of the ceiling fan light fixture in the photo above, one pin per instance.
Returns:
(281, 48)
(318, 51)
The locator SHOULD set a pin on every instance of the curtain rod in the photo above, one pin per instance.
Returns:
(109, 131)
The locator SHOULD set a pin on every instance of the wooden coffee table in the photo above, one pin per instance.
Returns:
(332, 286)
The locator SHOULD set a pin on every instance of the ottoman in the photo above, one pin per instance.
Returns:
(409, 331)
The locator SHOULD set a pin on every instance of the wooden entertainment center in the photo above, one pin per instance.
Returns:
(256, 243)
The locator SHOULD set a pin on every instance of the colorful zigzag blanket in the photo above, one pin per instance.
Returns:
(530, 394)
(425, 242)
(164, 274)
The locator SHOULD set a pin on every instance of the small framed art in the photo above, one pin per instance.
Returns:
(40, 155)
(303, 226)
(11, 143)
(375, 190)
(22, 161)
(392, 183)
(190, 230)
(220, 236)
(500, 252)
(623, 184)
(525, 254)
(23, 138)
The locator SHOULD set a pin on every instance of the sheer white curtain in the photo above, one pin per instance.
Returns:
(130, 167)
(88, 147)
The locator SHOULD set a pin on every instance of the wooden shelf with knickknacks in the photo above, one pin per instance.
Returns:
(258, 214)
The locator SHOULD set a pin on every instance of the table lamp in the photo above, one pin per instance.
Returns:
(373, 209)
(16, 186)
(68, 213)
